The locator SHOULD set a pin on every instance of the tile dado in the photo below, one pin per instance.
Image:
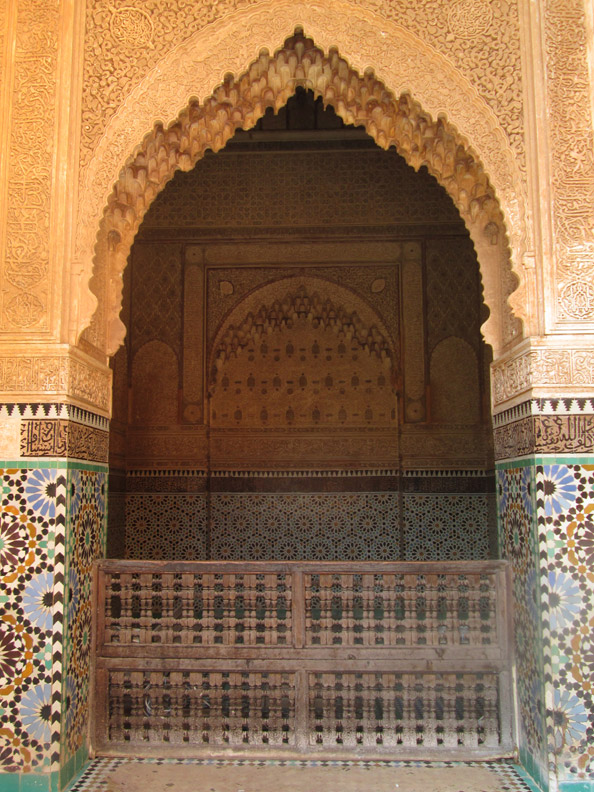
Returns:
(32, 566)
(518, 543)
(52, 528)
(565, 520)
(546, 523)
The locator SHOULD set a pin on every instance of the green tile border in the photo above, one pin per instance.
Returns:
(74, 767)
(576, 786)
(10, 782)
(96, 467)
(51, 464)
(33, 464)
(529, 780)
(546, 459)
(30, 782)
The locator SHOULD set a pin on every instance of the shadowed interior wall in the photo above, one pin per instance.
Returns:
(303, 375)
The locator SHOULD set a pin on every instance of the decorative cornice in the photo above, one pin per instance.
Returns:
(423, 473)
(40, 410)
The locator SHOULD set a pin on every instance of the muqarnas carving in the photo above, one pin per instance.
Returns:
(305, 362)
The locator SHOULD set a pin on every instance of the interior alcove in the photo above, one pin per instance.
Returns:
(303, 375)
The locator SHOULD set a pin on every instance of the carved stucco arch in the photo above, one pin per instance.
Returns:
(445, 127)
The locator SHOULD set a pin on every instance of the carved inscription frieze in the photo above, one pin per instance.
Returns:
(545, 434)
(564, 433)
(167, 447)
(515, 439)
(304, 450)
(263, 450)
(426, 446)
(90, 384)
(62, 376)
(44, 438)
(35, 373)
(58, 438)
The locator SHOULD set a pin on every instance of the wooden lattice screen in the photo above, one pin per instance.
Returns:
(373, 658)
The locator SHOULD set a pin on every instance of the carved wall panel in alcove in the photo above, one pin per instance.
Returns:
(305, 362)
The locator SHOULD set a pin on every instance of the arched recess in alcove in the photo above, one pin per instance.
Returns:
(154, 384)
(423, 138)
(419, 117)
(454, 382)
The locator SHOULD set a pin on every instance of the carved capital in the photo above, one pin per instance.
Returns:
(57, 373)
(543, 371)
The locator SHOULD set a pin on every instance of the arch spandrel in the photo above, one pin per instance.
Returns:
(445, 111)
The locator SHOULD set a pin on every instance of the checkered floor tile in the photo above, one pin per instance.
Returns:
(96, 777)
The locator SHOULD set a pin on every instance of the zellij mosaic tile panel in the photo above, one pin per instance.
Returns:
(565, 505)
(518, 544)
(84, 543)
(31, 609)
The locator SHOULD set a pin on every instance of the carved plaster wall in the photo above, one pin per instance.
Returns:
(139, 65)
(482, 40)
(572, 162)
(27, 148)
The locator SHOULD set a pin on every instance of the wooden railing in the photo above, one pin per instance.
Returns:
(374, 658)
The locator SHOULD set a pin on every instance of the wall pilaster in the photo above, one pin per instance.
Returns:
(54, 478)
(544, 447)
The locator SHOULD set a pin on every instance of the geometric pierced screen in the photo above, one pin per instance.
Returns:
(404, 710)
(302, 656)
(205, 608)
(209, 708)
(399, 609)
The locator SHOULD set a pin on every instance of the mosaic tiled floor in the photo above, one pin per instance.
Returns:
(253, 775)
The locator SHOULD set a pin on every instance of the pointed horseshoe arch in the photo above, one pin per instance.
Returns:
(423, 106)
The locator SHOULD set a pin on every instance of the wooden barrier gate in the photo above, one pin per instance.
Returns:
(354, 658)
